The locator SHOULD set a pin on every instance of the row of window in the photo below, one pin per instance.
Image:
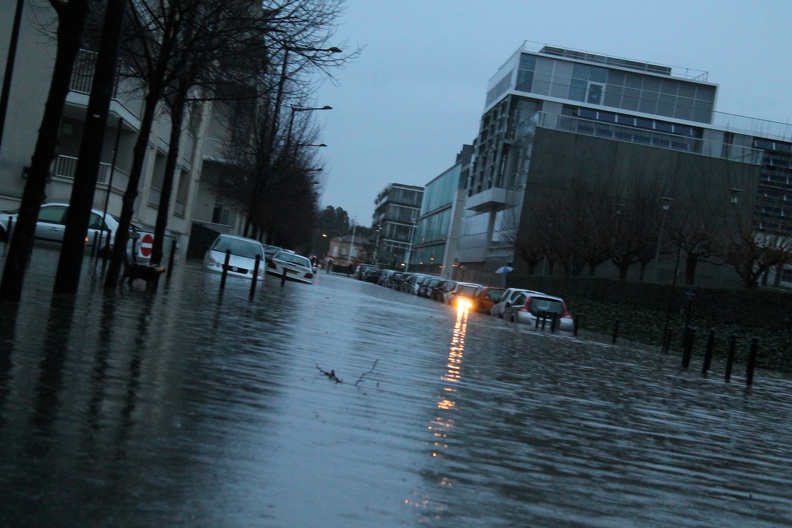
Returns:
(602, 86)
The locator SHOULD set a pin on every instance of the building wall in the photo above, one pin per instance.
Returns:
(700, 184)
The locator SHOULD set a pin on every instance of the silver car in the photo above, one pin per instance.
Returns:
(242, 259)
(291, 265)
(528, 307)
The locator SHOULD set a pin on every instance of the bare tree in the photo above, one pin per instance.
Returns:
(753, 247)
(71, 16)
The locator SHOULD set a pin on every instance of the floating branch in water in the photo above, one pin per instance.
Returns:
(369, 372)
(330, 374)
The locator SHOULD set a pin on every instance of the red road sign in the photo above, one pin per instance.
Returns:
(146, 243)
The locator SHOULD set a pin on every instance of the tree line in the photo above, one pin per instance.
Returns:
(575, 228)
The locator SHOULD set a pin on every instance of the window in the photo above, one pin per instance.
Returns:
(53, 215)
(595, 93)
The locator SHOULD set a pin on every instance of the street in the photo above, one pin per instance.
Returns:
(344, 404)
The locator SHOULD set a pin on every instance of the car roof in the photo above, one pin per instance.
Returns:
(237, 237)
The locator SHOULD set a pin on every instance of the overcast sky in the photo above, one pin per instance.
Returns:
(404, 108)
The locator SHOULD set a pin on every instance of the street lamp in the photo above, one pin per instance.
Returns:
(294, 110)
(409, 248)
(376, 244)
(282, 81)
(666, 205)
(352, 242)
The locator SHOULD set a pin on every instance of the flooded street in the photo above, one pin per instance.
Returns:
(190, 408)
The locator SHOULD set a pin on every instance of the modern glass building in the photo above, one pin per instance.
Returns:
(438, 225)
(556, 117)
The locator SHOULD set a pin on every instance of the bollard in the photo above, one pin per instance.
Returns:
(10, 229)
(615, 331)
(730, 360)
(283, 278)
(107, 247)
(536, 326)
(543, 315)
(255, 276)
(708, 353)
(225, 270)
(687, 346)
(553, 322)
(171, 257)
(575, 325)
(749, 374)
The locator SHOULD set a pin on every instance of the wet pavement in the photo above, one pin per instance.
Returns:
(191, 408)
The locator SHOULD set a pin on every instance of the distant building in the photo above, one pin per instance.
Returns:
(348, 249)
(397, 208)
(555, 118)
(435, 243)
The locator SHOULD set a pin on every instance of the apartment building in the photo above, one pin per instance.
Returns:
(396, 213)
(200, 143)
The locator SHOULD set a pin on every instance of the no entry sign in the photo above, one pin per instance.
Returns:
(146, 243)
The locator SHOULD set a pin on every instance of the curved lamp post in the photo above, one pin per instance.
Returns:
(294, 110)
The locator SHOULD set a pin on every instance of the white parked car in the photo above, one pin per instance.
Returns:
(530, 306)
(242, 261)
(506, 300)
(51, 224)
(462, 291)
(297, 267)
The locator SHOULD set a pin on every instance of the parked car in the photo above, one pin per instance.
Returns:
(51, 224)
(269, 251)
(362, 270)
(242, 261)
(427, 286)
(372, 275)
(530, 306)
(296, 267)
(440, 291)
(506, 300)
(385, 277)
(463, 292)
(485, 298)
(414, 283)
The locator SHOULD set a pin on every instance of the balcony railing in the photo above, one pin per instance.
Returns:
(66, 166)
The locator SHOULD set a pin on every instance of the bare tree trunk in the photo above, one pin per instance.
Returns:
(67, 277)
(125, 219)
(177, 116)
(70, 27)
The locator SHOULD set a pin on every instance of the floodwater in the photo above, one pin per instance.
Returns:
(190, 408)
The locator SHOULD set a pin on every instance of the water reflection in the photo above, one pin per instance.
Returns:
(178, 410)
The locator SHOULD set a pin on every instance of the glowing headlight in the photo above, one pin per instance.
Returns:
(464, 304)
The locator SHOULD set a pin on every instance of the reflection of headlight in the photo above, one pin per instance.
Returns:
(464, 304)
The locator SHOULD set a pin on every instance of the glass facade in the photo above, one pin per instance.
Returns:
(598, 85)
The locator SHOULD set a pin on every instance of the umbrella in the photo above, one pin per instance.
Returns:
(504, 269)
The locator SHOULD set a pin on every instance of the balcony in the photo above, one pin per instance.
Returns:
(492, 198)
(65, 167)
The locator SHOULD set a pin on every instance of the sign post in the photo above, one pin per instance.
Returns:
(146, 245)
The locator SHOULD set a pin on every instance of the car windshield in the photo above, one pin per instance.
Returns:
(539, 304)
(238, 247)
(293, 258)
(467, 290)
(493, 294)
